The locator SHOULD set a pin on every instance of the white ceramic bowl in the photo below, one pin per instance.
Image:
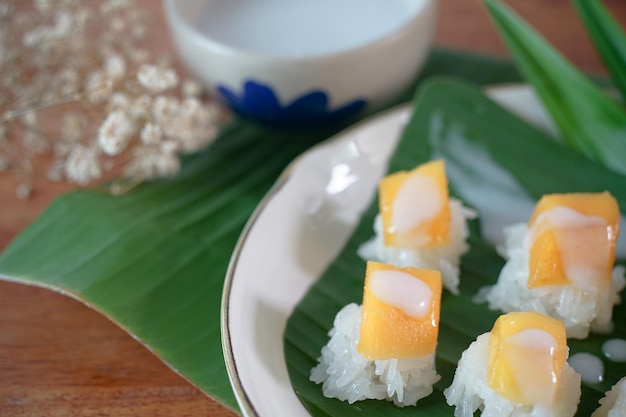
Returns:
(285, 61)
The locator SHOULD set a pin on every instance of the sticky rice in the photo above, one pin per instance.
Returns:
(349, 376)
(613, 404)
(445, 259)
(494, 375)
(582, 310)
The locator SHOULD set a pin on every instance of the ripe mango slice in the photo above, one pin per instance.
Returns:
(527, 352)
(414, 206)
(572, 239)
(400, 312)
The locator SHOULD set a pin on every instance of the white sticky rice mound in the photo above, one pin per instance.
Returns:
(470, 391)
(349, 376)
(581, 310)
(445, 259)
(614, 402)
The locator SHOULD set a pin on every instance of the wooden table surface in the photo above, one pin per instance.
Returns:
(59, 358)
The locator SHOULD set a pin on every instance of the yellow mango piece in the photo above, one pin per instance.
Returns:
(573, 239)
(527, 353)
(546, 267)
(400, 312)
(414, 207)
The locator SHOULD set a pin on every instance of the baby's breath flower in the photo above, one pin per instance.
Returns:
(30, 119)
(43, 6)
(191, 88)
(99, 86)
(121, 99)
(152, 162)
(150, 133)
(111, 6)
(115, 66)
(115, 133)
(141, 107)
(157, 79)
(83, 165)
(67, 81)
(35, 142)
(72, 127)
(165, 109)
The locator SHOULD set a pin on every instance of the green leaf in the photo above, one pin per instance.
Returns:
(451, 117)
(154, 260)
(608, 38)
(587, 118)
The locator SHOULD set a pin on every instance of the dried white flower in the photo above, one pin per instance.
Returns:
(120, 97)
(191, 88)
(35, 142)
(197, 124)
(120, 101)
(115, 133)
(61, 28)
(72, 127)
(165, 109)
(152, 162)
(67, 81)
(111, 6)
(151, 133)
(43, 6)
(115, 66)
(157, 79)
(141, 107)
(99, 86)
(83, 165)
(30, 119)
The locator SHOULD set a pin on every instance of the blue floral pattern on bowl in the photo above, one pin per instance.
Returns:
(258, 101)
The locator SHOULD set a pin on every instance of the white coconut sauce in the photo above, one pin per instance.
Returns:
(406, 214)
(404, 291)
(615, 350)
(532, 364)
(297, 28)
(590, 367)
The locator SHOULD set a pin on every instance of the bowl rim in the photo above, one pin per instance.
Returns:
(179, 24)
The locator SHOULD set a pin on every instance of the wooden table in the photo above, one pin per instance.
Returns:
(59, 358)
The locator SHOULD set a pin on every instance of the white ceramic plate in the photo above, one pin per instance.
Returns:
(296, 231)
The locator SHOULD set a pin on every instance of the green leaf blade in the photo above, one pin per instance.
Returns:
(587, 118)
(608, 38)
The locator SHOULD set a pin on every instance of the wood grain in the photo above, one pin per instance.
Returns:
(60, 358)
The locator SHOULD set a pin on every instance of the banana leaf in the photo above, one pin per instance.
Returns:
(588, 119)
(452, 120)
(608, 38)
(154, 260)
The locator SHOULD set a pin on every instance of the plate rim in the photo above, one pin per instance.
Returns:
(243, 400)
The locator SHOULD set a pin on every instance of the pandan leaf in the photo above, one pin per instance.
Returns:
(608, 38)
(587, 118)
